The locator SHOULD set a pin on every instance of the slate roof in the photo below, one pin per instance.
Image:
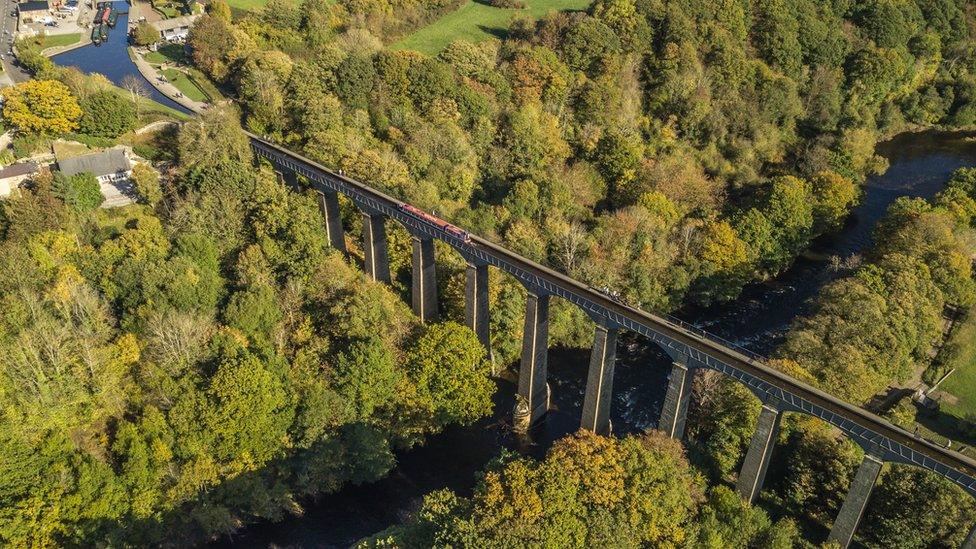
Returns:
(174, 23)
(104, 163)
(17, 170)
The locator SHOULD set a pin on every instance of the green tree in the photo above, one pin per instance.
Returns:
(144, 34)
(80, 192)
(448, 365)
(106, 114)
(146, 181)
(914, 508)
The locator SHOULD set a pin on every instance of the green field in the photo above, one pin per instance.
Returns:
(170, 53)
(962, 383)
(244, 5)
(185, 85)
(475, 22)
(58, 40)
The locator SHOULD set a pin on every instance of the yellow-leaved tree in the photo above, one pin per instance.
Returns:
(41, 106)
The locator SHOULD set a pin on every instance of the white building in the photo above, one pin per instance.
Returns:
(175, 29)
(13, 175)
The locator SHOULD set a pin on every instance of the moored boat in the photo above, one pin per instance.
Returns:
(96, 35)
(113, 17)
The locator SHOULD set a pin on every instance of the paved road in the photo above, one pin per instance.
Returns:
(12, 74)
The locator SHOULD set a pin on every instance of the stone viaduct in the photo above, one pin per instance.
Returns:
(688, 347)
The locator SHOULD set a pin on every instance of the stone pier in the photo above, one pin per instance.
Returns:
(675, 410)
(760, 451)
(599, 381)
(289, 180)
(424, 286)
(533, 392)
(476, 302)
(857, 499)
(377, 263)
(329, 206)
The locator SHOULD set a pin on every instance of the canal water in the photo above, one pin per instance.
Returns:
(920, 164)
(111, 59)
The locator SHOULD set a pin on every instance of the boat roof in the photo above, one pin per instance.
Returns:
(34, 5)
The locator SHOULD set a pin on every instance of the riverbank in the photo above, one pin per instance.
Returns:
(81, 41)
(165, 87)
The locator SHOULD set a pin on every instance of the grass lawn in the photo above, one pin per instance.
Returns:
(962, 383)
(185, 85)
(58, 40)
(244, 5)
(151, 111)
(63, 149)
(476, 22)
(170, 53)
(206, 85)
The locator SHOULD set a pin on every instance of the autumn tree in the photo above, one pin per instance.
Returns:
(41, 106)
(146, 181)
(145, 34)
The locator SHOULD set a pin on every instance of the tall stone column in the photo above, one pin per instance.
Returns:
(760, 451)
(599, 381)
(424, 284)
(329, 206)
(533, 392)
(857, 499)
(289, 179)
(675, 410)
(476, 314)
(377, 262)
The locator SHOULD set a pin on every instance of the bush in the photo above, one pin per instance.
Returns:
(106, 114)
(81, 191)
(508, 4)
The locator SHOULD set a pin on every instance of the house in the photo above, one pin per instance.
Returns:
(33, 11)
(175, 29)
(13, 175)
(107, 166)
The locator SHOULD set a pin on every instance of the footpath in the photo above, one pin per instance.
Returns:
(164, 87)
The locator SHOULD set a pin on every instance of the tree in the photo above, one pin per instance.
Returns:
(145, 34)
(914, 508)
(106, 114)
(219, 9)
(255, 313)
(146, 180)
(245, 411)
(212, 140)
(80, 192)
(590, 491)
(834, 196)
(448, 364)
(41, 106)
(137, 91)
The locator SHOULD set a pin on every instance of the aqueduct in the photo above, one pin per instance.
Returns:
(689, 347)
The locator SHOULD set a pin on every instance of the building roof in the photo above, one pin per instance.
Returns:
(175, 23)
(104, 163)
(17, 170)
(34, 5)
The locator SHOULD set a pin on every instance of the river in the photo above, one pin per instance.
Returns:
(919, 165)
(111, 58)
